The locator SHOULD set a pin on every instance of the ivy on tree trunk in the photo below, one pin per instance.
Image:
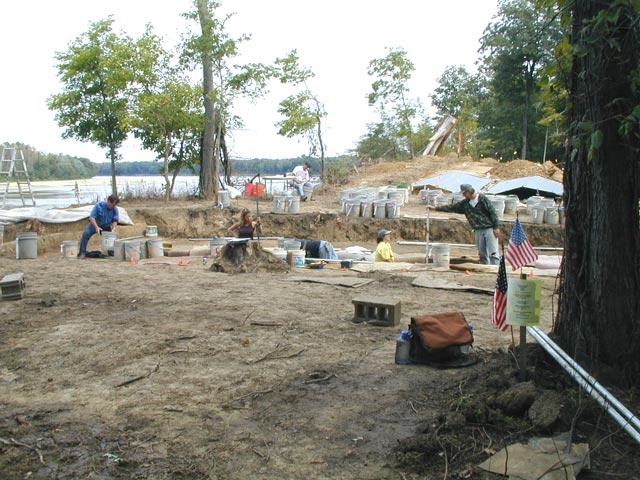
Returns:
(599, 305)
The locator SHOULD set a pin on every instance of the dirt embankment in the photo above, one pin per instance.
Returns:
(200, 220)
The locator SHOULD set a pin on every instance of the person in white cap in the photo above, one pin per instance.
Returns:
(383, 251)
(483, 219)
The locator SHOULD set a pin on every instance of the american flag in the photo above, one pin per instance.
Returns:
(499, 313)
(520, 252)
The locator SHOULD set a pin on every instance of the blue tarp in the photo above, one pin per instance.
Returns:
(528, 186)
(451, 181)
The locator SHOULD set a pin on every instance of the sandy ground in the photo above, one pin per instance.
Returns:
(316, 396)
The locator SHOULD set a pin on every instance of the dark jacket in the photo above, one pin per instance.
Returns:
(482, 216)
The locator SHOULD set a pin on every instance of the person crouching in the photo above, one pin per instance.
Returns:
(383, 250)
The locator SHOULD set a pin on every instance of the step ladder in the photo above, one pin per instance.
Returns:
(13, 168)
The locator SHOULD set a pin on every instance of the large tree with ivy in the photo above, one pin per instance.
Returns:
(599, 314)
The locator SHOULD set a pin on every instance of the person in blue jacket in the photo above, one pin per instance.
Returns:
(104, 216)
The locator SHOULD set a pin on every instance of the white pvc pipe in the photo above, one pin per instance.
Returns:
(625, 418)
(591, 380)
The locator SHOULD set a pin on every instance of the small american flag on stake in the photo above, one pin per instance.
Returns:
(499, 312)
(520, 252)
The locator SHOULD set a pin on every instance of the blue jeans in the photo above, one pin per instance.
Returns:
(487, 244)
(89, 231)
(300, 187)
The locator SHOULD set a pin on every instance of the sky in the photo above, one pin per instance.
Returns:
(335, 38)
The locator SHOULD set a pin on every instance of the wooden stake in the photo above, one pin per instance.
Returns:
(522, 357)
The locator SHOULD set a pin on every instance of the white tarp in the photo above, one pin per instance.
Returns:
(451, 181)
(55, 215)
(534, 183)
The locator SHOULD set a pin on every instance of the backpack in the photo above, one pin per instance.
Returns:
(441, 340)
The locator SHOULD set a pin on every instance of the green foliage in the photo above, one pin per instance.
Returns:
(338, 170)
(302, 112)
(101, 71)
(514, 49)
(50, 166)
(459, 94)
(390, 95)
(378, 143)
(168, 116)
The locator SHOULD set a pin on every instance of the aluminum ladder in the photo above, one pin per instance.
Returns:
(13, 167)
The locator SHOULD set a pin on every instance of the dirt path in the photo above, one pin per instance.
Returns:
(209, 405)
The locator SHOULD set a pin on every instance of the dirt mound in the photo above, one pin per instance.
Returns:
(525, 168)
(247, 257)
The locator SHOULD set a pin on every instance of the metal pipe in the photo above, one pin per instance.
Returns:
(470, 245)
(623, 417)
(598, 386)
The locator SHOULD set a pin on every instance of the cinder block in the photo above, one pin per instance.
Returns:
(379, 311)
(12, 286)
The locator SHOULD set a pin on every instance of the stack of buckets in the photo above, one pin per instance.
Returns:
(374, 202)
(544, 210)
(285, 203)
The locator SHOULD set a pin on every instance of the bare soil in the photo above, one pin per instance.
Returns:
(113, 370)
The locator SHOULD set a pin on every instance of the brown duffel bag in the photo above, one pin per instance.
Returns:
(440, 338)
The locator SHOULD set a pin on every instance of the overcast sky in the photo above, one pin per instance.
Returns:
(335, 38)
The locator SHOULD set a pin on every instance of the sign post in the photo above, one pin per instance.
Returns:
(523, 310)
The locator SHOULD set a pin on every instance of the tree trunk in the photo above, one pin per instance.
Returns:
(113, 155)
(226, 161)
(208, 169)
(525, 119)
(599, 305)
(460, 140)
(165, 168)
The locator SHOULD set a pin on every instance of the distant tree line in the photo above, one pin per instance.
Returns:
(52, 166)
(55, 166)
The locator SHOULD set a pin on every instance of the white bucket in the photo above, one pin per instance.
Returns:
(393, 209)
(498, 205)
(380, 209)
(443, 200)
(70, 248)
(155, 248)
(151, 231)
(511, 204)
(291, 244)
(551, 216)
(538, 214)
(352, 208)
(27, 245)
(366, 208)
(279, 204)
(440, 253)
(224, 198)
(132, 248)
(118, 250)
(398, 196)
(561, 215)
(107, 240)
(293, 204)
(298, 258)
(215, 245)
(457, 197)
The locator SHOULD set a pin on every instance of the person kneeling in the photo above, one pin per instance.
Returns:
(383, 250)
(104, 216)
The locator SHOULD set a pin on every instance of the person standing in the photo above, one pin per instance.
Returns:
(301, 180)
(104, 216)
(483, 220)
(384, 253)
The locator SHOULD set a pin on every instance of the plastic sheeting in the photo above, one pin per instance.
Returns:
(533, 185)
(451, 181)
(55, 215)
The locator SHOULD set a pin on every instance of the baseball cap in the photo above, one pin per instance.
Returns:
(382, 233)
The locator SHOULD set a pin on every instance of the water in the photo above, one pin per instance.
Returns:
(62, 193)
